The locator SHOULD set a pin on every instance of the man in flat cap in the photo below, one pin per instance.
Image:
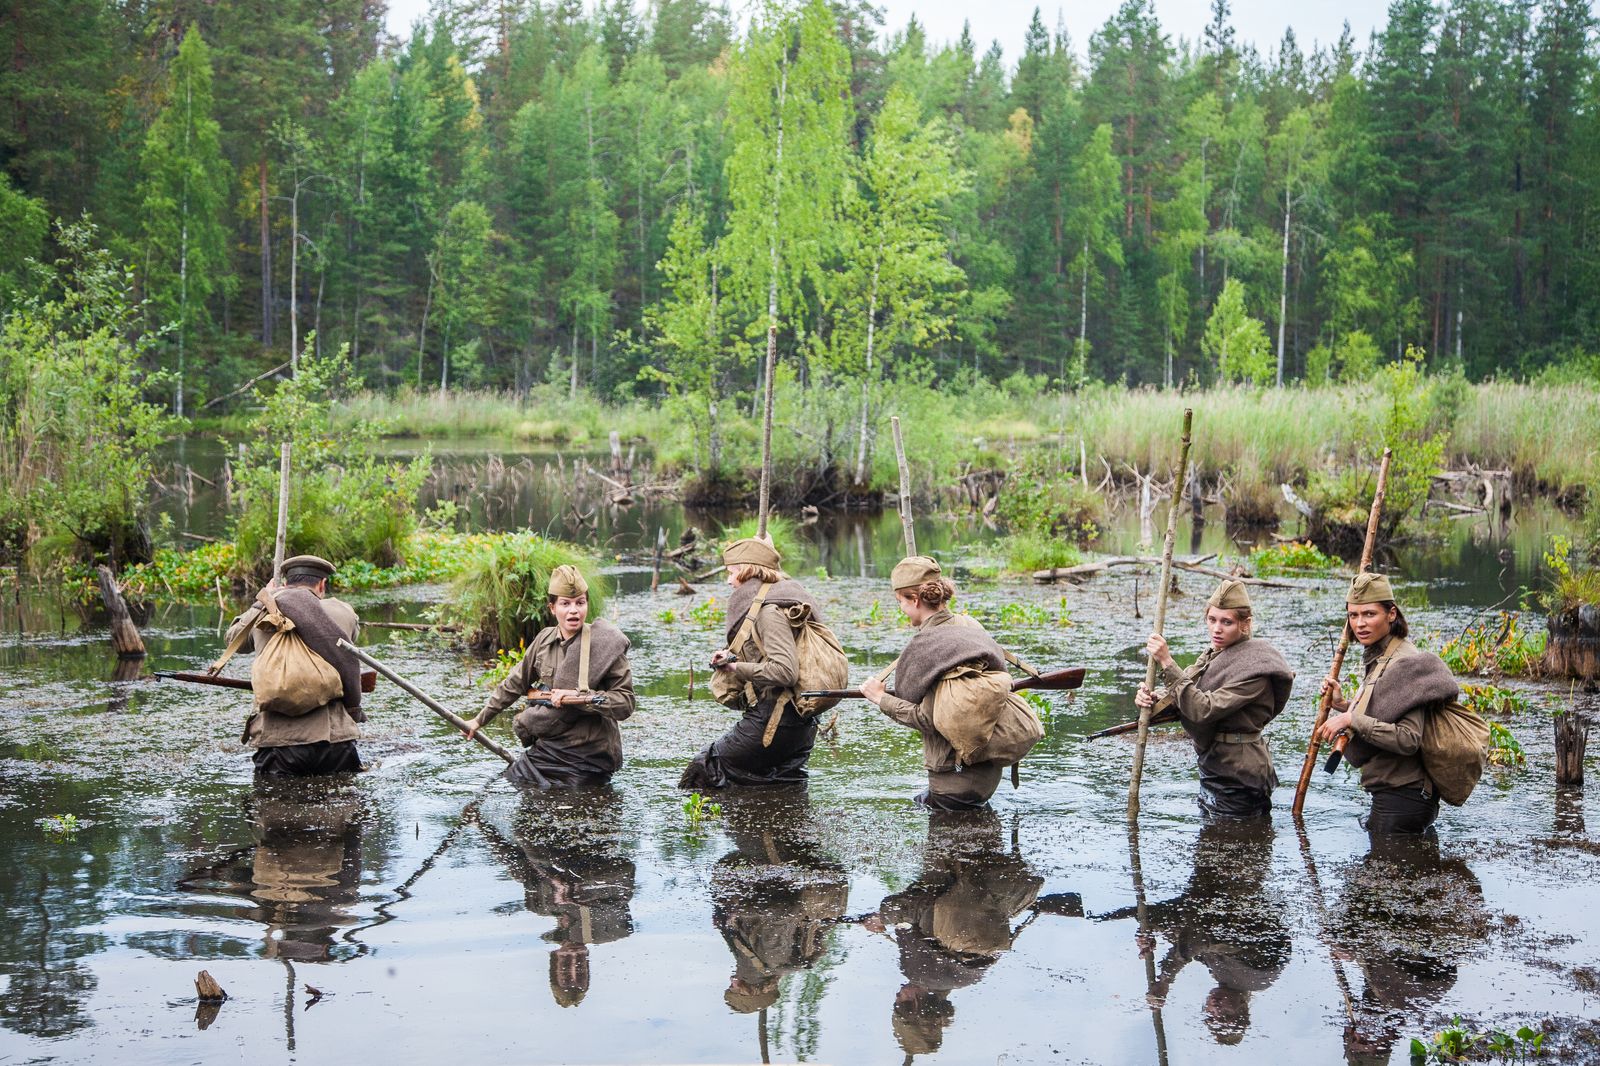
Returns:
(1401, 685)
(584, 682)
(1224, 701)
(323, 740)
(756, 673)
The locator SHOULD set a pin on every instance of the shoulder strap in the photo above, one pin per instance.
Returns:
(1016, 661)
(748, 628)
(264, 604)
(583, 658)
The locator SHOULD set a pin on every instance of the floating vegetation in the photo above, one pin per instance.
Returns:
(709, 615)
(505, 660)
(1292, 557)
(1460, 1044)
(1491, 700)
(1497, 648)
(61, 825)
(1504, 750)
(698, 811)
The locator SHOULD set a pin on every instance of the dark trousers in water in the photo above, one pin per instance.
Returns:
(737, 757)
(308, 760)
(963, 789)
(1403, 811)
(543, 765)
(1225, 802)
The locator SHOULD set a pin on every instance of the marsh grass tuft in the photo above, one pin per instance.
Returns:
(499, 598)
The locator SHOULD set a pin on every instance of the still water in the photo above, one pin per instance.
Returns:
(427, 911)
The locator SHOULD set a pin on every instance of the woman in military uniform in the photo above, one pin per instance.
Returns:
(759, 669)
(943, 641)
(586, 687)
(1224, 701)
(1401, 685)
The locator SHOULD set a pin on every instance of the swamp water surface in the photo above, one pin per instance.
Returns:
(439, 915)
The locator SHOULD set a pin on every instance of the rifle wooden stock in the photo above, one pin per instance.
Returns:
(1340, 742)
(1054, 681)
(1314, 746)
(369, 679)
(541, 698)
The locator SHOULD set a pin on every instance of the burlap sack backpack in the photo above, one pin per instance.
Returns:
(287, 677)
(1016, 731)
(968, 703)
(1455, 749)
(822, 663)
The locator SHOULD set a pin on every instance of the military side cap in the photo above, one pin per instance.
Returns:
(565, 580)
(749, 999)
(307, 566)
(912, 571)
(1231, 595)
(1370, 588)
(754, 551)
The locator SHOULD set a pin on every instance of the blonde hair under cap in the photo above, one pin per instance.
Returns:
(1370, 588)
(752, 551)
(565, 580)
(1231, 595)
(912, 571)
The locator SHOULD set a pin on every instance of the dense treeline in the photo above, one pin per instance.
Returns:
(625, 200)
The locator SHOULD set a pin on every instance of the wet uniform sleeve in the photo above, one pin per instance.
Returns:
(1403, 737)
(1219, 703)
(513, 688)
(906, 713)
(780, 666)
(617, 685)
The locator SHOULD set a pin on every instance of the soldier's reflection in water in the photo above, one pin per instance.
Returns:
(774, 895)
(304, 873)
(1226, 920)
(570, 859)
(955, 920)
(1406, 917)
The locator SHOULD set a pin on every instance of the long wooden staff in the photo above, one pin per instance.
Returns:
(433, 705)
(1141, 908)
(283, 515)
(766, 415)
(1161, 614)
(1314, 746)
(905, 488)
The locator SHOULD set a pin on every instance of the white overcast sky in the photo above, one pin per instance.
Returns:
(1260, 22)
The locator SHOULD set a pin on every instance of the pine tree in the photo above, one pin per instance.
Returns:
(184, 197)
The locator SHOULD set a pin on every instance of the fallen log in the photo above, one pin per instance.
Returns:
(1087, 569)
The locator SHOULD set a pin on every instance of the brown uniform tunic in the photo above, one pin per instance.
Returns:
(329, 726)
(1395, 761)
(770, 664)
(1224, 701)
(951, 786)
(1387, 718)
(573, 745)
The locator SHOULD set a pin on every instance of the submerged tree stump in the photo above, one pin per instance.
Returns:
(124, 634)
(1572, 738)
(206, 987)
(1574, 646)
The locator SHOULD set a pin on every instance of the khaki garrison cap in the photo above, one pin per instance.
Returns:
(755, 551)
(912, 571)
(565, 580)
(1231, 595)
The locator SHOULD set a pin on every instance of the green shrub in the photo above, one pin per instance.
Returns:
(1291, 557)
(1027, 552)
(76, 434)
(345, 504)
(1041, 498)
(1572, 583)
(1499, 648)
(499, 598)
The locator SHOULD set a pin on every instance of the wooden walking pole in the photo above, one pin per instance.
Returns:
(433, 705)
(1146, 947)
(905, 488)
(1314, 746)
(1161, 614)
(283, 513)
(766, 424)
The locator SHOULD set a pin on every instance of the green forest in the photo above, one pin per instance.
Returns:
(526, 193)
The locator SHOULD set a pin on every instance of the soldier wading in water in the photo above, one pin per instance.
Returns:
(1400, 685)
(586, 685)
(1224, 701)
(942, 643)
(757, 673)
(323, 739)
